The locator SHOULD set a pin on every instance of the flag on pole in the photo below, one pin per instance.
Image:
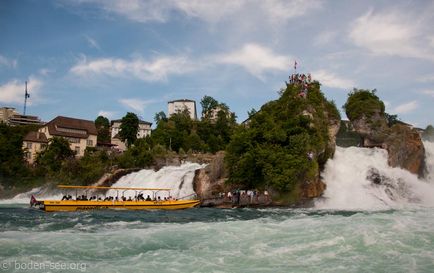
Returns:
(33, 201)
(295, 65)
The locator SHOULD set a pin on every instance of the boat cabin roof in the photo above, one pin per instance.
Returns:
(110, 188)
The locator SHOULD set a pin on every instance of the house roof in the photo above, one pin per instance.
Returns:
(182, 100)
(140, 122)
(36, 137)
(60, 125)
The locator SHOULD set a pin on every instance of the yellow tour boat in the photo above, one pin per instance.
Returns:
(139, 202)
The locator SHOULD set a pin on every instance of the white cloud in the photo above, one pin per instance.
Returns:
(431, 41)
(11, 63)
(426, 78)
(107, 114)
(429, 92)
(158, 69)
(391, 33)
(329, 79)
(92, 42)
(406, 107)
(278, 10)
(256, 59)
(13, 91)
(325, 38)
(209, 11)
(136, 104)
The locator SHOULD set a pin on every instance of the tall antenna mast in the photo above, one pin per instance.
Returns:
(26, 96)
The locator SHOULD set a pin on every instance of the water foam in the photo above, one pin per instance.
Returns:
(177, 178)
(350, 188)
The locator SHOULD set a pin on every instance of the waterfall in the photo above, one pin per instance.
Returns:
(360, 178)
(177, 178)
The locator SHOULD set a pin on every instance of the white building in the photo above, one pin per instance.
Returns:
(177, 106)
(144, 131)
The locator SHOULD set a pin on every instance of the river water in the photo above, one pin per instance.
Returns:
(357, 227)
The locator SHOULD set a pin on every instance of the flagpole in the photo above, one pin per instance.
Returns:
(26, 95)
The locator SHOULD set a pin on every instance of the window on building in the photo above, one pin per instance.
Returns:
(29, 145)
(89, 142)
(77, 150)
(73, 139)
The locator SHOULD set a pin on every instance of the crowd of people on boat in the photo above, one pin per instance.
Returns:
(139, 197)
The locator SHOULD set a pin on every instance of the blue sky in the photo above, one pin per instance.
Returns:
(84, 58)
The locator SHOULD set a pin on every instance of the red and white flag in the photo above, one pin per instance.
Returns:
(295, 65)
(32, 201)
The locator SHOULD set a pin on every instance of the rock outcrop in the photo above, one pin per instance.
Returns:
(403, 143)
(210, 181)
(405, 148)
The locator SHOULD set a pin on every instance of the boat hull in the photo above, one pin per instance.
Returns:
(72, 205)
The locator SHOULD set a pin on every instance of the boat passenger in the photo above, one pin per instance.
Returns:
(129, 199)
(148, 198)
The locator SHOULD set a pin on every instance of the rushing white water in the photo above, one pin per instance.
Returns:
(177, 178)
(349, 186)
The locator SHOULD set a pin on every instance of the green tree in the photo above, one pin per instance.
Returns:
(159, 117)
(11, 152)
(363, 102)
(52, 157)
(102, 125)
(428, 133)
(208, 105)
(272, 152)
(129, 128)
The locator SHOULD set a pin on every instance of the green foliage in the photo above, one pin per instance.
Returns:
(57, 151)
(129, 128)
(139, 155)
(271, 152)
(363, 103)
(207, 135)
(208, 105)
(102, 125)
(391, 119)
(11, 152)
(428, 133)
(160, 116)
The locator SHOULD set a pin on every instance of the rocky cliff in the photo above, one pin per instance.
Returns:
(403, 143)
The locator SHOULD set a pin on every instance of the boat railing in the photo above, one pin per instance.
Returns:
(188, 197)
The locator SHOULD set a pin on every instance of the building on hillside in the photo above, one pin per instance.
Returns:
(214, 113)
(6, 113)
(144, 131)
(177, 106)
(79, 132)
(33, 143)
(11, 117)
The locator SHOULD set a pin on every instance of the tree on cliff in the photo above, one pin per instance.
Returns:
(428, 133)
(363, 102)
(102, 125)
(272, 151)
(129, 128)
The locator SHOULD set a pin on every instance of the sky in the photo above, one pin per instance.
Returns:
(84, 58)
